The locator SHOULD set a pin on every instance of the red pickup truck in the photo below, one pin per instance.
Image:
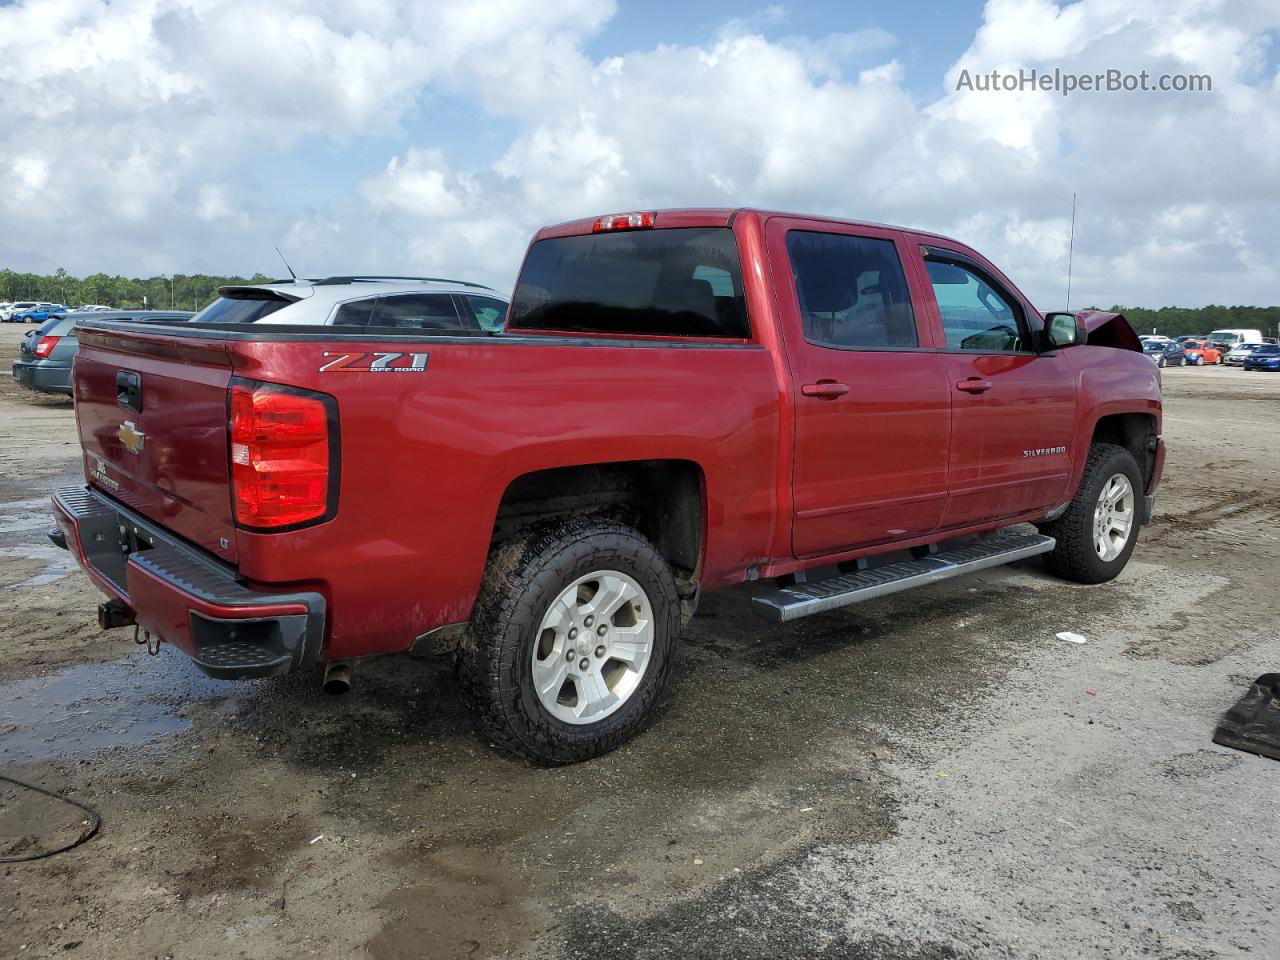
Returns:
(680, 401)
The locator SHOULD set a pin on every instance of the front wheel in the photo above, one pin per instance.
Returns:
(1161, 363)
(1097, 533)
(571, 641)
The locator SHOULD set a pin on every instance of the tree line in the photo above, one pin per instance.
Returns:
(1181, 321)
(178, 292)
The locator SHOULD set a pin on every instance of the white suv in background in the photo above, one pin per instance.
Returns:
(12, 310)
(414, 303)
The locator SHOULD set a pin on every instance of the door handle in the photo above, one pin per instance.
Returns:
(129, 390)
(826, 389)
(974, 385)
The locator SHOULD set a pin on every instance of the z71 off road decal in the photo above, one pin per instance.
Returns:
(375, 362)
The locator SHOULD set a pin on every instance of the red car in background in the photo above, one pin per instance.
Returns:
(1202, 352)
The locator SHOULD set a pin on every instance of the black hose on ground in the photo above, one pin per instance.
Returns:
(85, 835)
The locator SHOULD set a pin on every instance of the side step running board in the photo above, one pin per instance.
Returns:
(804, 599)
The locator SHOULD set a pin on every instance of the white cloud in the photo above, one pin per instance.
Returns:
(172, 112)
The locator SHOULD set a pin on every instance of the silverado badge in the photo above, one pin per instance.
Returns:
(131, 437)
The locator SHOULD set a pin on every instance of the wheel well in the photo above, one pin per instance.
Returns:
(1136, 432)
(660, 498)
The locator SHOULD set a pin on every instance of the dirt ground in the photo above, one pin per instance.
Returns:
(932, 775)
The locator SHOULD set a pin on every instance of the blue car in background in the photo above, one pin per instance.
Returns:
(1265, 357)
(40, 313)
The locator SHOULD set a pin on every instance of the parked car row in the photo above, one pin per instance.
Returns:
(38, 311)
(29, 311)
(400, 303)
(1225, 347)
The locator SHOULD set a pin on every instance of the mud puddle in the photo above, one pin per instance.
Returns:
(23, 528)
(84, 710)
(22, 516)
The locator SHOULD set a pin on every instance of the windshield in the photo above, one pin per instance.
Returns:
(1268, 349)
(684, 282)
(237, 310)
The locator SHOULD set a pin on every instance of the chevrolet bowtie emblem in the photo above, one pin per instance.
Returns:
(131, 437)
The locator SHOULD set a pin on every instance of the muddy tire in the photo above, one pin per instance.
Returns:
(1099, 530)
(571, 641)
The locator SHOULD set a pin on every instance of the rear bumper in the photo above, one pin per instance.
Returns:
(186, 597)
(45, 377)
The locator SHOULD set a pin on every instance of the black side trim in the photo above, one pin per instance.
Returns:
(265, 332)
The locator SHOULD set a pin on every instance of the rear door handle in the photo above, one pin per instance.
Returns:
(974, 385)
(826, 389)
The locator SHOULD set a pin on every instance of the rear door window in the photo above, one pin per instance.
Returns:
(682, 282)
(852, 290)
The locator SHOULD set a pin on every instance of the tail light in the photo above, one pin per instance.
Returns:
(45, 346)
(623, 221)
(283, 456)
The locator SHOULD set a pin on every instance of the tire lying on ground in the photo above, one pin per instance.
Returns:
(571, 641)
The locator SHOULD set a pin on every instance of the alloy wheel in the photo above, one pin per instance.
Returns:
(593, 647)
(1113, 517)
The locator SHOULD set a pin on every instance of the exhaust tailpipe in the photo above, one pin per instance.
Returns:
(337, 677)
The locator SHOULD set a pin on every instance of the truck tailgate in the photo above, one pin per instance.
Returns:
(151, 409)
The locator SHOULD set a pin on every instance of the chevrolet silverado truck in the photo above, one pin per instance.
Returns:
(680, 400)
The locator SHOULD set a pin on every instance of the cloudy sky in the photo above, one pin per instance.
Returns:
(157, 136)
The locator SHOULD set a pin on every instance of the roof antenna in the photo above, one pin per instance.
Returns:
(295, 276)
(1070, 251)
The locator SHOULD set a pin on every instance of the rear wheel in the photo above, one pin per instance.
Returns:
(1097, 533)
(571, 641)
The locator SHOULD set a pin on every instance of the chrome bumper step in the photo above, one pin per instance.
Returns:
(805, 599)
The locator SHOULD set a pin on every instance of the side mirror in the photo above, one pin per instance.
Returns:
(1063, 330)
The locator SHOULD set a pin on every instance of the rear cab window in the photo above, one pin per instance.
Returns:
(670, 282)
